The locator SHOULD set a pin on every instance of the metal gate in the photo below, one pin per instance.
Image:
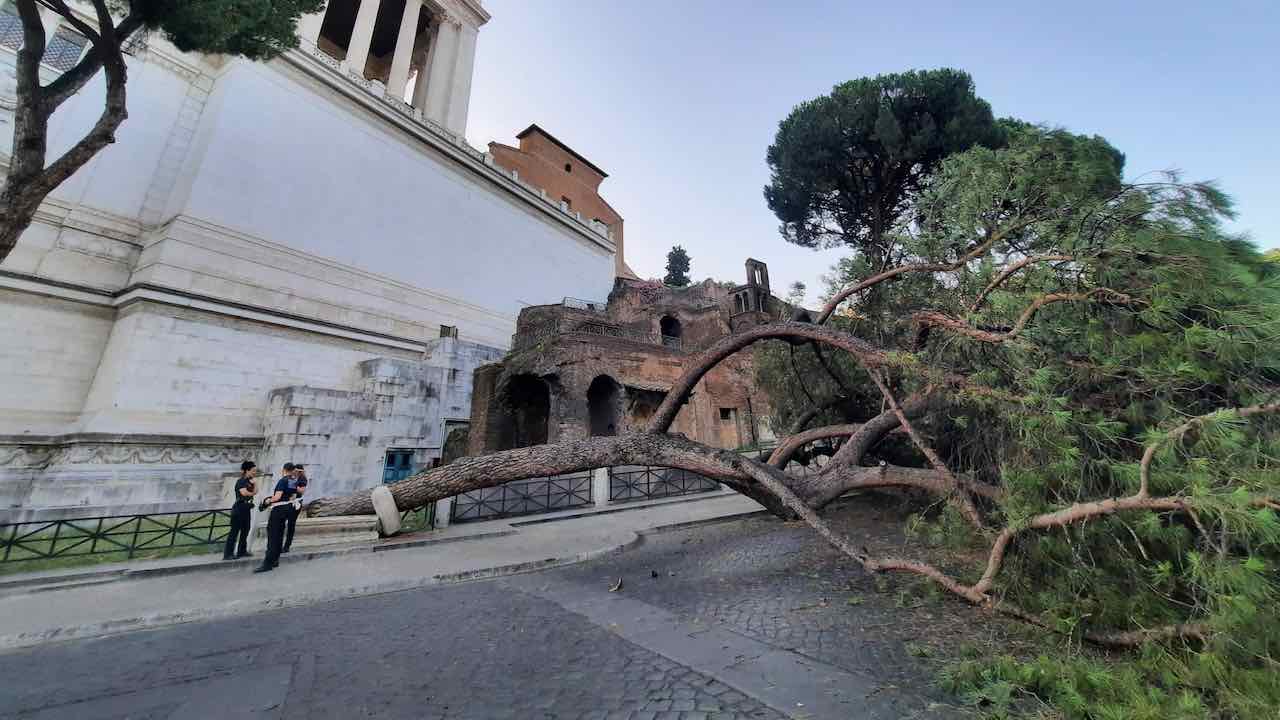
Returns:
(524, 497)
(644, 483)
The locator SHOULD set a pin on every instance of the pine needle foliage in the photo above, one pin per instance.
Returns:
(1170, 318)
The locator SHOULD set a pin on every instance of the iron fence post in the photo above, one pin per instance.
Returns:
(53, 545)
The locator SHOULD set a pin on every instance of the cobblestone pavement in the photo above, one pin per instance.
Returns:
(780, 583)
(471, 651)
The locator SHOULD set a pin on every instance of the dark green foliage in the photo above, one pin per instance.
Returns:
(256, 29)
(1190, 326)
(677, 267)
(845, 166)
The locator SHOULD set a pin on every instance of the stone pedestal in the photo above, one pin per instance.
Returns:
(444, 512)
(388, 514)
(600, 487)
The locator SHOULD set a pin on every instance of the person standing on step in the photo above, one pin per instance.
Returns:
(241, 513)
(281, 505)
(300, 487)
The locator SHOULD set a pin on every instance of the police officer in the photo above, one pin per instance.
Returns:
(300, 487)
(281, 504)
(241, 510)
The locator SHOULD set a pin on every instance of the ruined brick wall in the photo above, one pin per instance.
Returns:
(483, 435)
(621, 352)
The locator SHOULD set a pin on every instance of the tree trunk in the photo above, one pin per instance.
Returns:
(474, 473)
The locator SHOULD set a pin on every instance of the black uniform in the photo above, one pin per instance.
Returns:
(241, 513)
(276, 523)
(293, 522)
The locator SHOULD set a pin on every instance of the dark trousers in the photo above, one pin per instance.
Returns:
(293, 525)
(275, 534)
(238, 535)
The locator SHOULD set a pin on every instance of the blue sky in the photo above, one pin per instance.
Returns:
(678, 101)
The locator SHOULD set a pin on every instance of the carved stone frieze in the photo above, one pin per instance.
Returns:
(105, 453)
(20, 457)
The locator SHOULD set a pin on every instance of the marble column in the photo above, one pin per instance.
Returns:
(460, 86)
(362, 36)
(440, 73)
(399, 77)
(309, 27)
(420, 89)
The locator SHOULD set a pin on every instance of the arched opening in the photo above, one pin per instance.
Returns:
(603, 401)
(669, 329)
(528, 401)
(670, 326)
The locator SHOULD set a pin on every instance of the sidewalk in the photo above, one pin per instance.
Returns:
(67, 605)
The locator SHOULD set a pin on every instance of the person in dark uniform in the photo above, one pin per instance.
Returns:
(281, 505)
(300, 487)
(241, 512)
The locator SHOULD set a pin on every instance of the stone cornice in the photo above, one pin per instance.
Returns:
(470, 12)
(146, 293)
(126, 439)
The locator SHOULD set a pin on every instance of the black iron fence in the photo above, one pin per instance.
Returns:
(423, 518)
(644, 483)
(524, 497)
(123, 535)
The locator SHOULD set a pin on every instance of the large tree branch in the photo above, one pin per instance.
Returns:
(803, 420)
(868, 354)
(1010, 272)
(30, 54)
(1179, 432)
(72, 81)
(787, 448)
(959, 495)
(960, 327)
(114, 113)
(982, 248)
(30, 132)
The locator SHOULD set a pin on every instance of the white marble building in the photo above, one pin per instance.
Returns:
(259, 230)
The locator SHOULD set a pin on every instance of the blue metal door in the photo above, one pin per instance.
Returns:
(398, 467)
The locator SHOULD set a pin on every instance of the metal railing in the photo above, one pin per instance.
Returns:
(423, 518)
(580, 304)
(125, 534)
(646, 483)
(524, 497)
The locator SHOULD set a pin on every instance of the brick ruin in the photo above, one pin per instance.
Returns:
(579, 368)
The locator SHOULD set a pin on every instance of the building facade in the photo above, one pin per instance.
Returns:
(568, 178)
(282, 260)
(581, 369)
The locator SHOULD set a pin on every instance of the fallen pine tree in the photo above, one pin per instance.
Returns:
(1080, 374)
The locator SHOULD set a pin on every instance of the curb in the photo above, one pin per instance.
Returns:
(20, 585)
(146, 622)
(17, 584)
(68, 633)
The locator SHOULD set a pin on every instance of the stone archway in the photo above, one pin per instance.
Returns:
(604, 401)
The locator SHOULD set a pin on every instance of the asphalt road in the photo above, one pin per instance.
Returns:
(747, 619)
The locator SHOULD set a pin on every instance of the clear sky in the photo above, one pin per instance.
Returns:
(678, 100)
